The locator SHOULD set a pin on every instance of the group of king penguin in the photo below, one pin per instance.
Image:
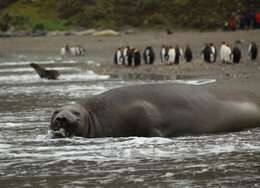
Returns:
(173, 55)
(75, 50)
(233, 55)
(132, 56)
(170, 55)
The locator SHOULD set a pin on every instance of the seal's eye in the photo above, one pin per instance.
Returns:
(76, 113)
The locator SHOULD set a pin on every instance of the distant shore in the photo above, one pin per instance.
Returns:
(101, 49)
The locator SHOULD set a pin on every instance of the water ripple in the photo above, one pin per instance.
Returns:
(29, 158)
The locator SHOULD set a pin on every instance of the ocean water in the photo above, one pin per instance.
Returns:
(30, 158)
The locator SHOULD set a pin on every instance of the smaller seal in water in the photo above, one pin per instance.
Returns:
(43, 73)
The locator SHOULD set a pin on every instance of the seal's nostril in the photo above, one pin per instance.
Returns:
(61, 119)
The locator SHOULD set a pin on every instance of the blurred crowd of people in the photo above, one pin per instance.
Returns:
(242, 20)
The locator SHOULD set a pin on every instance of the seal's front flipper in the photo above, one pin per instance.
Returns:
(141, 118)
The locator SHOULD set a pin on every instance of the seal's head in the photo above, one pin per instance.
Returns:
(71, 120)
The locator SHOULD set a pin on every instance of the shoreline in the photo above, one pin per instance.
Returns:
(101, 49)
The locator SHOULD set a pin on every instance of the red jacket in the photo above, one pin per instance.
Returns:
(232, 24)
(257, 17)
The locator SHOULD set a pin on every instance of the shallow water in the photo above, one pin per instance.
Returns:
(29, 158)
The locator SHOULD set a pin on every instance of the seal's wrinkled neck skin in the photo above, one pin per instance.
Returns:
(73, 120)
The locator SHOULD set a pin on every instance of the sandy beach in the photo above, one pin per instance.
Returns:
(245, 75)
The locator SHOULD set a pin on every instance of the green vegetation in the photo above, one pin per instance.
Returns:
(28, 15)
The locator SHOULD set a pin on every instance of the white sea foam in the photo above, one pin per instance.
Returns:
(227, 148)
(108, 149)
(5, 146)
(69, 61)
(12, 63)
(11, 125)
(90, 62)
(24, 78)
(130, 158)
(195, 82)
(33, 78)
(46, 61)
(29, 69)
(74, 90)
(89, 75)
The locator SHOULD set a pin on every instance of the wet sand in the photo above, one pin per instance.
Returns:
(245, 75)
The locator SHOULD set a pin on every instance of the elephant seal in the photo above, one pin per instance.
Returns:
(157, 110)
(43, 73)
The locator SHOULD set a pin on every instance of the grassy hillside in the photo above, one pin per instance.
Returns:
(26, 15)
(66, 14)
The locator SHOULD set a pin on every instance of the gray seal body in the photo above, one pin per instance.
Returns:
(157, 110)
